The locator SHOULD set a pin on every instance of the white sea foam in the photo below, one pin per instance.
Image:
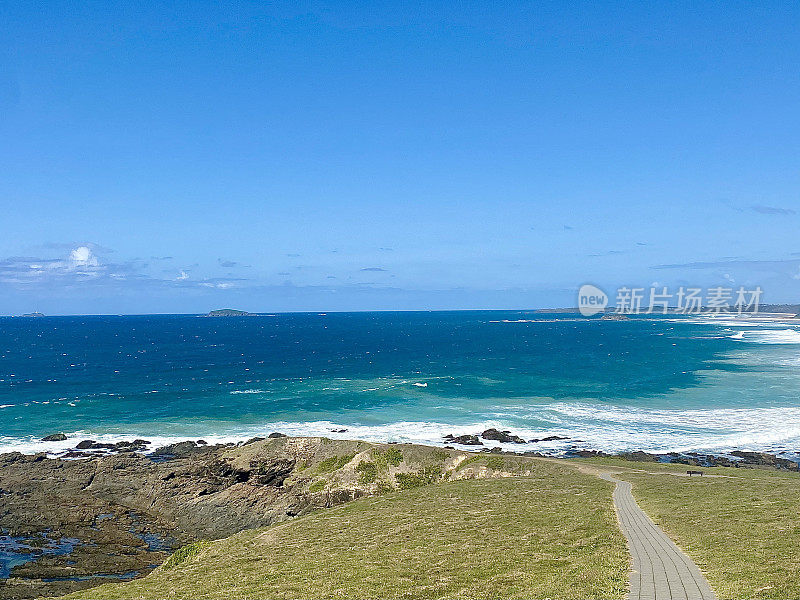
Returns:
(32, 445)
(766, 336)
(626, 428)
(751, 329)
(589, 426)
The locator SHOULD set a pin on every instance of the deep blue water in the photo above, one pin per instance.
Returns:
(408, 376)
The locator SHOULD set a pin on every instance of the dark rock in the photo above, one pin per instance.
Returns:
(639, 456)
(55, 437)
(253, 441)
(202, 443)
(134, 446)
(221, 475)
(78, 454)
(502, 436)
(12, 457)
(275, 434)
(549, 438)
(764, 459)
(720, 461)
(466, 440)
(85, 444)
(685, 460)
(589, 454)
(273, 472)
(338, 430)
(178, 450)
(103, 446)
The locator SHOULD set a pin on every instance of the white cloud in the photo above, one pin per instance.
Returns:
(82, 257)
(85, 265)
(221, 285)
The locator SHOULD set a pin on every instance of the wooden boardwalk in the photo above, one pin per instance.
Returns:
(661, 570)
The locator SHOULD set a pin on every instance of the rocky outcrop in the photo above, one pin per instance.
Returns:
(464, 440)
(639, 456)
(549, 438)
(502, 436)
(764, 459)
(119, 513)
(123, 512)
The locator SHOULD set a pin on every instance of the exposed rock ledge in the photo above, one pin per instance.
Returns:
(119, 515)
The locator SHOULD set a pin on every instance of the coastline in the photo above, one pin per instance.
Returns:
(123, 508)
(465, 439)
(557, 442)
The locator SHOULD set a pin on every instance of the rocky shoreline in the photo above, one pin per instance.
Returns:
(105, 511)
(735, 458)
(74, 522)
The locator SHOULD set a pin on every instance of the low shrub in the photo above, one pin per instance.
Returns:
(367, 472)
(390, 456)
(334, 462)
(184, 553)
(428, 475)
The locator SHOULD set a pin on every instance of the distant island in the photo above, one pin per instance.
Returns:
(614, 317)
(229, 312)
(33, 315)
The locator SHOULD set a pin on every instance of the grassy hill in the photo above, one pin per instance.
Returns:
(550, 533)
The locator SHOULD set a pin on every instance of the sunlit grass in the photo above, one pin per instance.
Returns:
(550, 535)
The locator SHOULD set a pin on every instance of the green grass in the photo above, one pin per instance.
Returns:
(469, 461)
(496, 463)
(551, 535)
(743, 531)
(185, 553)
(334, 462)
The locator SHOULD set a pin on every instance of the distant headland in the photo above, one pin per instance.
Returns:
(229, 312)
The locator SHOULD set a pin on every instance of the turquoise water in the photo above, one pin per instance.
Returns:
(647, 383)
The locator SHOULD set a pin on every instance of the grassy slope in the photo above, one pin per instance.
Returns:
(743, 531)
(552, 534)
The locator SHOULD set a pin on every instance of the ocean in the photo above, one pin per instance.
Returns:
(648, 383)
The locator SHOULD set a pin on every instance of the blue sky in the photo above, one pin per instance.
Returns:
(392, 155)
